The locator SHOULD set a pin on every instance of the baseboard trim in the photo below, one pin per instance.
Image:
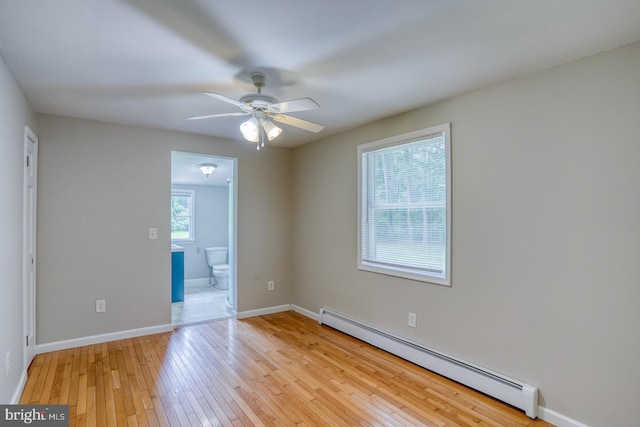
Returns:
(102, 338)
(558, 419)
(263, 311)
(305, 312)
(15, 399)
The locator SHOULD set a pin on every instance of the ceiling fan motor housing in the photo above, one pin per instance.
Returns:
(258, 100)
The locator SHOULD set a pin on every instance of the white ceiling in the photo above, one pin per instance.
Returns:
(145, 62)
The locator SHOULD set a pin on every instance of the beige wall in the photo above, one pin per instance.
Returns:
(103, 186)
(546, 199)
(14, 115)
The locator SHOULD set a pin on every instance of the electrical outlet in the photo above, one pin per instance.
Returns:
(101, 306)
(7, 364)
(413, 320)
(270, 285)
(153, 233)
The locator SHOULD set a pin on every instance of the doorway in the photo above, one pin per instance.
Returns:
(203, 233)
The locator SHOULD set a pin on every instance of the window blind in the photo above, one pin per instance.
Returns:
(404, 205)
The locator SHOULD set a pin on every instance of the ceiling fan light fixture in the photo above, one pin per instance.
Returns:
(207, 168)
(250, 129)
(264, 110)
(271, 130)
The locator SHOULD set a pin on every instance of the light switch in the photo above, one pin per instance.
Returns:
(153, 233)
(101, 306)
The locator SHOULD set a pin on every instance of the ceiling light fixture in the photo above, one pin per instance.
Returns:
(253, 129)
(271, 130)
(250, 129)
(207, 168)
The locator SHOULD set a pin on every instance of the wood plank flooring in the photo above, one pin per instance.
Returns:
(277, 370)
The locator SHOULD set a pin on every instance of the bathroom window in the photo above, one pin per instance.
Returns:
(182, 215)
(404, 208)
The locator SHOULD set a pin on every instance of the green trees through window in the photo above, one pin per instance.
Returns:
(182, 202)
(404, 214)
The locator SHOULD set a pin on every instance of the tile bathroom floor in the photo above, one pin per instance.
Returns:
(200, 304)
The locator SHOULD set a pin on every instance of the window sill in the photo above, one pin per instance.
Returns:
(182, 242)
(405, 273)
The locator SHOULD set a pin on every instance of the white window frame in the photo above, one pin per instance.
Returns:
(404, 271)
(192, 214)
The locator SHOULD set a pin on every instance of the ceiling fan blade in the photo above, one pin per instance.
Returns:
(242, 105)
(210, 116)
(302, 104)
(299, 123)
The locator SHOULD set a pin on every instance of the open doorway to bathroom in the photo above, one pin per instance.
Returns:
(203, 230)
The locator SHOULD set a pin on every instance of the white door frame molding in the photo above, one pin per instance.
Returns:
(29, 212)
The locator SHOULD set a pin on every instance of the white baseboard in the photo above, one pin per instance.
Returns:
(15, 399)
(99, 339)
(196, 283)
(305, 312)
(557, 419)
(263, 311)
(277, 309)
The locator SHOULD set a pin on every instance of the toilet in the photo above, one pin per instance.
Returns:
(218, 267)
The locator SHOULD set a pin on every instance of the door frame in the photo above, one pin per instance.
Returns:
(29, 238)
(233, 222)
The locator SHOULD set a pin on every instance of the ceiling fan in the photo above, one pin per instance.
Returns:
(262, 108)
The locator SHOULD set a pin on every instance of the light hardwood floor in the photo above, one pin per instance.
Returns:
(282, 369)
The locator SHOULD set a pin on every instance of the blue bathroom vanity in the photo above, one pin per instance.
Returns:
(177, 273)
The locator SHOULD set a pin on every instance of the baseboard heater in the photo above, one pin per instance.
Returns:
(513, 392)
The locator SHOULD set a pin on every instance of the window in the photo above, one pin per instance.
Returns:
(404, 213)
(182, 215)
